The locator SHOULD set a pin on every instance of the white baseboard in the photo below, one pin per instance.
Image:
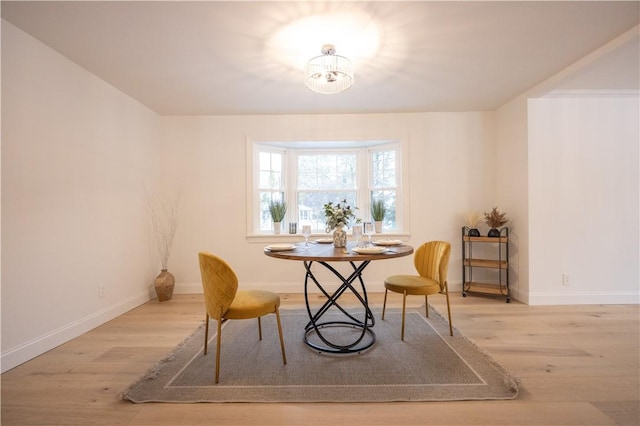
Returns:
(587, 298)
(604, 298)
(17, 355)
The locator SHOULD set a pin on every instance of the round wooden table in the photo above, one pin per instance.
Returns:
(316, 335)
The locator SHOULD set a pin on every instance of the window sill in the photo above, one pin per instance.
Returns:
(293, 238)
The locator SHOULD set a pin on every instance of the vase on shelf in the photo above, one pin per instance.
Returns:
(277, 227)
(493, 233)
(164, 284)
(378, 226)
(474, 232)
(340, 237)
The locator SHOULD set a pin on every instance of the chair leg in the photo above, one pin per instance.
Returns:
(446, 292)
(218, 351)
(404, 306)
(206, 333)
(284, 356)
(384, 304)
(259, 328)
(426, 305)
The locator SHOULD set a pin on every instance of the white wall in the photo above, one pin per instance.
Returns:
(75, 156)
(450, 166)
(512, 193)
(563, 168)
(584, 195)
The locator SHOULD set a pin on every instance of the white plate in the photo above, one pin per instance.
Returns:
(280, 247)
(324, 240)
(387, 242)
(369, 250)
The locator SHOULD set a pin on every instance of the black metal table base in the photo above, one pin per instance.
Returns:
(317, 332)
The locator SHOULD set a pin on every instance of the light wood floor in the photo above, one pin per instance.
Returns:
(579, 365)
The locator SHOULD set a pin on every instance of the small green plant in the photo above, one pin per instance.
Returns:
(378, 210)
(277, 209)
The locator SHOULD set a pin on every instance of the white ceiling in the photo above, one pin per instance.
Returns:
(213, 57)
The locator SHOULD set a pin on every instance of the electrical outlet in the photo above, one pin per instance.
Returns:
(100, 291)
(565, 279)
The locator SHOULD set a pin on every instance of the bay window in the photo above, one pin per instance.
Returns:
(307, 175)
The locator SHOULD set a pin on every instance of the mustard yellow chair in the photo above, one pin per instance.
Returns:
(432, 263)
(223, 301)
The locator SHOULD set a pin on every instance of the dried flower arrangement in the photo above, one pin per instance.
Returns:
(164, 218)
(495, 219)
(473, 219)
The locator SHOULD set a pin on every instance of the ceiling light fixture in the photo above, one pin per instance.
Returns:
(328, 73)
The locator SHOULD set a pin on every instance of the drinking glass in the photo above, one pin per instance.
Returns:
(356, 230)
(306, 233)
(368, 230)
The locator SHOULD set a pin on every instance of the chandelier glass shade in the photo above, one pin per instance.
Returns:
(328, 73)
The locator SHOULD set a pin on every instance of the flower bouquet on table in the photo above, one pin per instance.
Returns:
(337, 217)
(340, 214)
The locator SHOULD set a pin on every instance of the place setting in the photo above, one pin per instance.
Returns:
(372, 247)
(280, 247)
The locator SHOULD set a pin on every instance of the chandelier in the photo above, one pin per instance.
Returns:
(328, 73)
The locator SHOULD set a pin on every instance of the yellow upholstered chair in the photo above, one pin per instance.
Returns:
(223, 301)
(432, 263)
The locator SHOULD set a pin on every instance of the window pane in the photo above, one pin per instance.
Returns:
(264, 179)
(270, 176)
(275, 180)
(265, 215)
(383, 165)
(389, 197)
(310, 207)
(326, 175)
(327, 171)
(276, 162)
(265, 161)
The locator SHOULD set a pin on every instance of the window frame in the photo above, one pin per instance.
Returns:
(290, 149)
(292, 189)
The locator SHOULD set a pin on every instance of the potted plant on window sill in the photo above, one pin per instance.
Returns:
(378, 211)
(277, 209)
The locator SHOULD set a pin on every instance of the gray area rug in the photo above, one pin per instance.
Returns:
(429, 365)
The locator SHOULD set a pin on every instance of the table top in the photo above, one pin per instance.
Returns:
(328, 253)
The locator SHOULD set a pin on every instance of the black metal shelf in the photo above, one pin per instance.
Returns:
(500, 264)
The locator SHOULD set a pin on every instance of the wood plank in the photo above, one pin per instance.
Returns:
(482, 287)
(486, 263)
(485, 239)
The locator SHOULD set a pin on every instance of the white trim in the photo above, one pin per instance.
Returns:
(548, 85)
(26, 351)
(590, 298)
(562, 93)
(285, 237)
(296, 287)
